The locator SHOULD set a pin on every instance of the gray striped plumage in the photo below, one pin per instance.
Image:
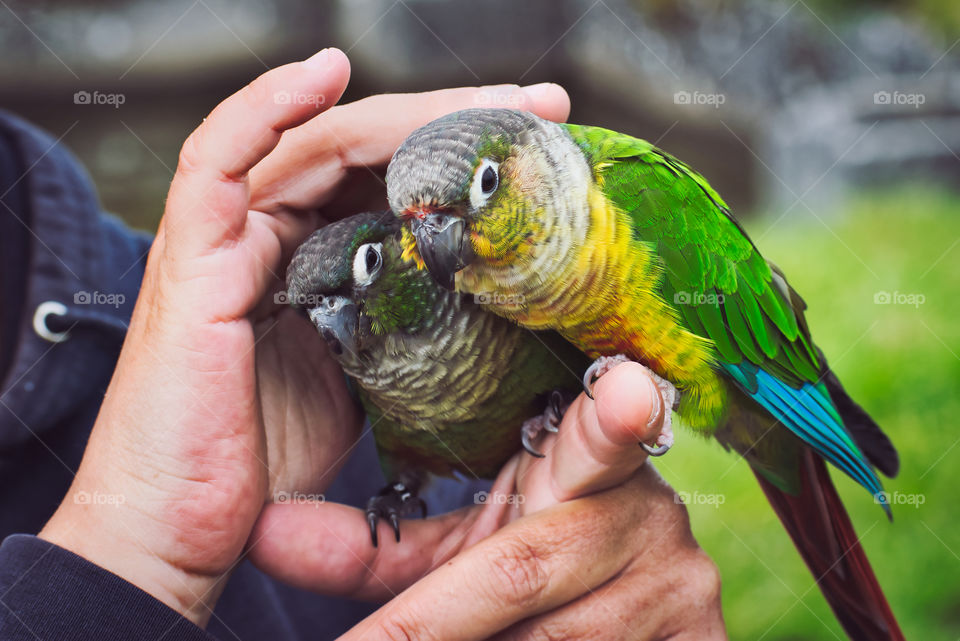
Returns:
(451, 393)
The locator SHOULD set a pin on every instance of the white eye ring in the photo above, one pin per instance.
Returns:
(479, 197)
(367, 263)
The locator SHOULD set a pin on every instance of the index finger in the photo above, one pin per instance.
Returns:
(375, 143)
(209, 192)
(533, 565)
(367, 132)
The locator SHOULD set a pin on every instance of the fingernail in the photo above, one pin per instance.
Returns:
(656, 404)
(319, 60)
(538, 90)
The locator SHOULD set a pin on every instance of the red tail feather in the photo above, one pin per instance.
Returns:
(820, 528)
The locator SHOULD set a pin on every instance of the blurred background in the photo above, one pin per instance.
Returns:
(832, 128)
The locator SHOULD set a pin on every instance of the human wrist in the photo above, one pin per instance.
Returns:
(111, 532)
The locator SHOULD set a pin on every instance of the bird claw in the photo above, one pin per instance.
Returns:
(392, 502)
(666, 401)
(598, 368)
(372, 519)
(655, 451)
(549, 421)
(664, 440)
(395, 524)
(530, 431)
(663, 443)
(555, 410)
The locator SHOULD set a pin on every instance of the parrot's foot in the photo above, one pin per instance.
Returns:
(391, 503)
(549, 421)
(668, 398)
(664, 403)
(598, 368)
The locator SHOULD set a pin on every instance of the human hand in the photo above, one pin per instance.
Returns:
(593, 544)
(295, 184)
(215, 380)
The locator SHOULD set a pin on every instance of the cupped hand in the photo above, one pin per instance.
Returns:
(216, 380)
(586, 543)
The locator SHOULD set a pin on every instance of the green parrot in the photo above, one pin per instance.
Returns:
(628, 253)
(447, 386)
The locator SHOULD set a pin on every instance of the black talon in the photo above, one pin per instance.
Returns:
(554, 412)
(548, 421)
(372, 520)
(395, 523)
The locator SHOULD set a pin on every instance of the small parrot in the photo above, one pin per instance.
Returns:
(629, 253)
(447, 386)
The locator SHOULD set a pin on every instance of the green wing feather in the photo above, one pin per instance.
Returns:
(722, 286)
(725, 291)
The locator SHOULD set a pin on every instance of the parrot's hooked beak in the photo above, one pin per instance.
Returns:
(337, 320)
(443, 246)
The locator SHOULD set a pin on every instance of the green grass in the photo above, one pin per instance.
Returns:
(902, 363)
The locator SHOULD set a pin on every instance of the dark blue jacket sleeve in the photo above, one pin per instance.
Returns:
(49, 593)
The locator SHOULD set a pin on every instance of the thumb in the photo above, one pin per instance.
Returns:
(597, 446)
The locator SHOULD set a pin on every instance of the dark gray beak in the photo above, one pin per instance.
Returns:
(337, 320)
(442, 245)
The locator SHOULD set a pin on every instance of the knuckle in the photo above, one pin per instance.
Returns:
(663, 503)
(671, 511)
(677, 511)
(565, 629)
(552, 631)
(403, 626)
(704, 583)
(257, 93)
(519, 576)
(393, 631)
(189, 159)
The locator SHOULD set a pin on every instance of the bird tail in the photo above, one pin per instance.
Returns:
(821, 530)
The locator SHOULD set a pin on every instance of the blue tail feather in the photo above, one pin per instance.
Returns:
(809, 413)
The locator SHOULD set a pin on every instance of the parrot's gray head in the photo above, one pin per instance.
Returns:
(331, 269)
(446, 175)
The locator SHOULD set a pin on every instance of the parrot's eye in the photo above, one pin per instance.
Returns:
(486, 179)
(367, 263)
